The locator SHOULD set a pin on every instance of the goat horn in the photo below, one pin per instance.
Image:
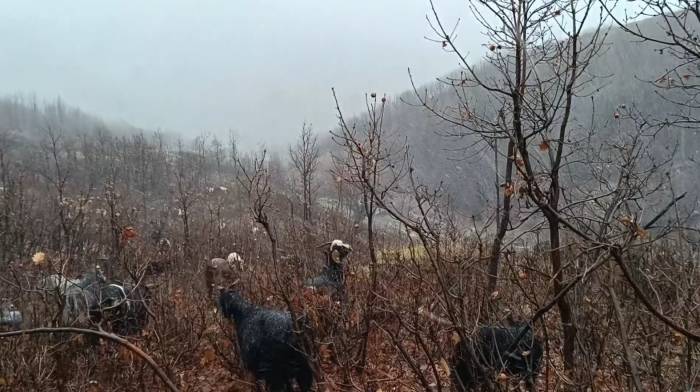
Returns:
(324, 245)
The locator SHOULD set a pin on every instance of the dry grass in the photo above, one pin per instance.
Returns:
(198, 349)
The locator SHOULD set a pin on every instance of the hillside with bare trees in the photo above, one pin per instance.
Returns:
(526, 222)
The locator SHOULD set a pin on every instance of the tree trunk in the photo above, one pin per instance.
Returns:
(307, 211)
(186, 234)
(565, 312)
(368, 201)
(503, 222)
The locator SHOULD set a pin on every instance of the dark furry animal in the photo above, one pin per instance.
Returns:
(91, 299)
(268, 344)
(10, 317)
(124, 306)
(491, 347)
(332, 277)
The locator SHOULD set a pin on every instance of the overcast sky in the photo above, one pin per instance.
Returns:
(259, 67)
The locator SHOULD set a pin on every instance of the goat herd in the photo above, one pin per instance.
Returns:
(268, 341)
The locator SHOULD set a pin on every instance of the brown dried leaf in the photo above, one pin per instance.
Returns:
(125, 355)
(641, 233)
(129, 233)
(522, 191)
(509, 190)
(445, 366)
(677, 338)
(627, 221)
(208, 356)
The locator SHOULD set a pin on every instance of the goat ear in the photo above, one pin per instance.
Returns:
(324, 245)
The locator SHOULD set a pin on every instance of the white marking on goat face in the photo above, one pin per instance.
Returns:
(341, 249)
(340, 245)
(234, 259)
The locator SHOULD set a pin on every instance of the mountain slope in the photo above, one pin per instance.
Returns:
(622, 76)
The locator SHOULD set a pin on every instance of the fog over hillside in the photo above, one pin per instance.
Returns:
(259, 68)
(622, 75)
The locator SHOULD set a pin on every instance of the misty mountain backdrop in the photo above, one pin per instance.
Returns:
(625, 74)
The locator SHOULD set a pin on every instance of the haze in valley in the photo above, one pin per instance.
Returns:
(260, 68)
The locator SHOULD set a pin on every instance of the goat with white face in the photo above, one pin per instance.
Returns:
(223, 271)
(232, 262)
(235, 261)
(332, 277)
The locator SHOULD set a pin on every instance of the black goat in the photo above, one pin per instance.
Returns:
(268, 344)
(491, 351)
(124, 306)
(10, 317)
(332, 277)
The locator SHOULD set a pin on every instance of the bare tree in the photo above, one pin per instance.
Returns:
(188, 185)
(367, 162)
(305, 158)
(254, 178)
(670, 27)
(14, 201)
(536, 67)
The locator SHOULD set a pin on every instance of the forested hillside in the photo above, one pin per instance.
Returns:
(519, 224)
(627, 74)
